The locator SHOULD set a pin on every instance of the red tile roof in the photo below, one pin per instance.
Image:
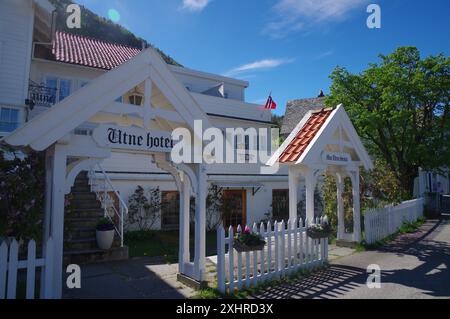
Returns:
(306, 134)
(75, 49)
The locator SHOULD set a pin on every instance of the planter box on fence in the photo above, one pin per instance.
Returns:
(241, 248)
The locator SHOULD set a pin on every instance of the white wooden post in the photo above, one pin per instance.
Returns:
(231, 259)
(275, 234)
(13, 265)
(255, 259)
(239, 261)
(340, 206)
(283, 248)
(269, 248)
(262, 232)
(300, 231)
(356, 206)
(31, 269)
(310, 185)
(296, 230)
(293, 192)
(185, 198)
(57, 220)
(48, 292)
(200, 224)
(221, 259)
(3, 269)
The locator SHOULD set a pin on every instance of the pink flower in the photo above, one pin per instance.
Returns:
(247, 230)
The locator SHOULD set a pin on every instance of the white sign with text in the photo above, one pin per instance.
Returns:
(335, 158)
(133, 138)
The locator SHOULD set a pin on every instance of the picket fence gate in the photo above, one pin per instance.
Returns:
(383, 222)
(287, 250)
(10, 266)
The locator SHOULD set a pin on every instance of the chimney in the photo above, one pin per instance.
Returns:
(321, 94)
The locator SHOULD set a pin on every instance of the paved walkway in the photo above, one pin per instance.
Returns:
(414, 266)
(138, 278)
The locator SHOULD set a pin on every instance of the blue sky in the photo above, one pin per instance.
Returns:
(289, 47)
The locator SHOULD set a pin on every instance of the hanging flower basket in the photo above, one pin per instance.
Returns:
(248, 241)
(319, 231)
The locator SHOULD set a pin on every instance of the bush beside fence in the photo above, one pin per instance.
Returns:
(383, 222)
(287, 250)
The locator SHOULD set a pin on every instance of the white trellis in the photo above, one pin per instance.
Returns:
(287, 250)
(10, 265)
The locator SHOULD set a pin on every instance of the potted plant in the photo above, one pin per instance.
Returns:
(318, 231)
(248, 241)
(105, 233)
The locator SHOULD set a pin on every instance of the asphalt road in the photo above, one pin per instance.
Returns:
(415, 266)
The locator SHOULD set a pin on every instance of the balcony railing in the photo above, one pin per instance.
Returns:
(41, 95)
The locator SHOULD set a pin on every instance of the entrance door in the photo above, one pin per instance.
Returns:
(235, 205)
(170, 210)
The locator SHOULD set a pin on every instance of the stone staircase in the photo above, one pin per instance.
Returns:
(80, 244)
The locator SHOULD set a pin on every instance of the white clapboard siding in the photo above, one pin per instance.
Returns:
(382, 222)
(287, 250)
(10, 266)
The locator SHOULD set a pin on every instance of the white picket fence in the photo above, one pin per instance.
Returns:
(287, 250)
(10, 266)
(380, 223)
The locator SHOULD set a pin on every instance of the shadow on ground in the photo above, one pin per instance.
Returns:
(138, 278)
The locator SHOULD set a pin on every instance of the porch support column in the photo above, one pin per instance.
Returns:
(58, 181)
(185, 192)
(340, 205)
(293, 192)
(200, 224)
(356, 206)
(310, 185)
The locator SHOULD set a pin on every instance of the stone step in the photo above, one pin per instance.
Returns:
(82, 244)
(76, 232)
(87, 212)
(84, 256)
(87, 222)
(84, 195)
(83, 204)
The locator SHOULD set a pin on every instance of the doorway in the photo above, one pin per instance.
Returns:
(235, 204)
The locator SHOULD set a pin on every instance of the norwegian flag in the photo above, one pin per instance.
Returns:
(270, 104)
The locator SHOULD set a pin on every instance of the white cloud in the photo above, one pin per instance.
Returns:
(296, 15)
(195, 5)
(258, 65)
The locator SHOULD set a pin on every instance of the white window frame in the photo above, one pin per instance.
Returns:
(20, 119)
(58, 84)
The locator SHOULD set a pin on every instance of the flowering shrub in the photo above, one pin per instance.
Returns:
(249, 239)
(22, 188)
(317, 231)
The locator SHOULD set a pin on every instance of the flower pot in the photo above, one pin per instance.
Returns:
(241, 248)
(105, 239)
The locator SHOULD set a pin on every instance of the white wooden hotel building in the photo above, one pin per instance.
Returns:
(41, 68)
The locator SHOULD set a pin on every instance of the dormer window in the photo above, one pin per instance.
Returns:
(135, 98)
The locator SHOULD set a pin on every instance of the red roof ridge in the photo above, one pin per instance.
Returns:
(98, 40)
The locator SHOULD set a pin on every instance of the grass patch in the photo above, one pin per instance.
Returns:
(156, 243)
(208, 293)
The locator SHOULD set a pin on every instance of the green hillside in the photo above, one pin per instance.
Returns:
(100, 28)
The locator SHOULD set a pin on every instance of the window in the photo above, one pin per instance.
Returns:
(9, 119)
(170, 210)
(280, 204)
(63, 87)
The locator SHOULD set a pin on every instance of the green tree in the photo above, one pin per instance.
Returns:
(400, 107)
